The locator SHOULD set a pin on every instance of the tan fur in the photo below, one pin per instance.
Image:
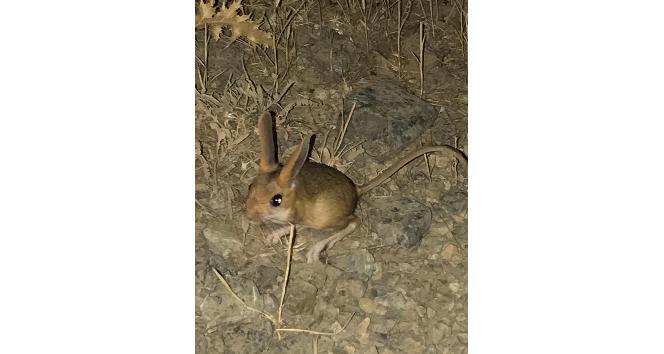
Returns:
(268, 162)
(295, 164)
(325, 197)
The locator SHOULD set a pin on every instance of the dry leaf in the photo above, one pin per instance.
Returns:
(240, 25)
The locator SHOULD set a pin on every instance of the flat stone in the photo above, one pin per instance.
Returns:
(302, 300)
(382, 325)
(400, 220)
(362, 329)
(450, 252)
(456, 201)
(388, 117)
(408, 344)
(221, 240)
(438, 332)
(357, 261)
(266, 278)
(369, 306)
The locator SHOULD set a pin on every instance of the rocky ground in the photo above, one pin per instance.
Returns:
(398, 284)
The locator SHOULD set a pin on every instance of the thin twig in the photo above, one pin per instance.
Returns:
(342, 133)
(399, 37)
(228, 287)
(433, 30)
(400, 23)
(317, 332)
(314, 344)
(287, 272)
(421, 58)
(281, 95)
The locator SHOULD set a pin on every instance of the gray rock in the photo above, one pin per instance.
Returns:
(438, 332)
(214, 343)
(371, 307)
(324, 312)
(221, 307)
(357, 261)
(456, 200)
(302, 297)
(431, 313)
(353, 286)
(387, 117)
(247, 336)
(266, 278)
(382, 325)
(394, 300)
(222, 240)
(450, 129)
(400, 220)
(407, 344)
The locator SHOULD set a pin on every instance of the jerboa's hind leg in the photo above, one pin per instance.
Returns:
(313, 256)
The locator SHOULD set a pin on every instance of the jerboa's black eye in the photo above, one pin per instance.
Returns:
(276, 200)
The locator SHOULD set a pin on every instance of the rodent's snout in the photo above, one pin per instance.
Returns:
(252, 213)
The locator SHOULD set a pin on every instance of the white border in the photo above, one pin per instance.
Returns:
(566, 177)
(97, 147)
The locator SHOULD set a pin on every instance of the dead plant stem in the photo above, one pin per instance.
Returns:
(433, 27)
(318, 332)
(287, 272)
(421, 58)
(342, 133)
(399, 38)
(228, 287)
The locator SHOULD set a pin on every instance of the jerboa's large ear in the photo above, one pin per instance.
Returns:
(295, 163)
(268, 161)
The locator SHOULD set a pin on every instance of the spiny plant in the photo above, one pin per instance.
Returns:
(227, 16)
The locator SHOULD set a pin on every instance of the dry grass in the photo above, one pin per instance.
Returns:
(337, 154)
(461, 8)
